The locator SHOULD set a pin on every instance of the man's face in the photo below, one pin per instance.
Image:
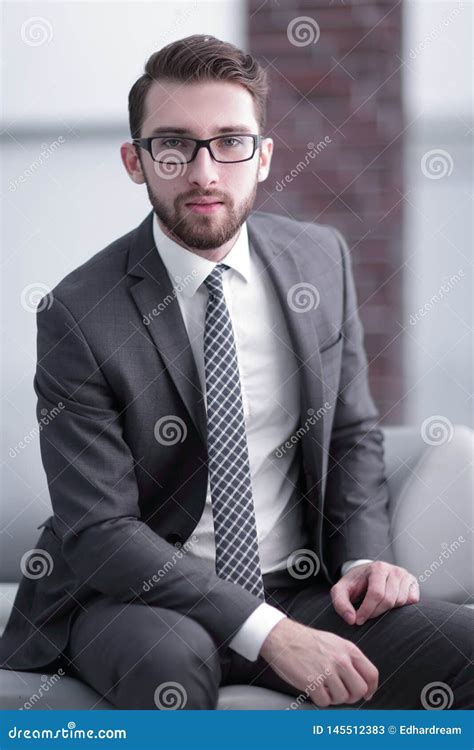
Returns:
(201, 110)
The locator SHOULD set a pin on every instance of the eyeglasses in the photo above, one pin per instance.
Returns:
(227, 149)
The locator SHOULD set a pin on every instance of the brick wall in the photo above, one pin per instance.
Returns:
(342, 93)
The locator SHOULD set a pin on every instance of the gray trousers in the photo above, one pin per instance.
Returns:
(142, 657)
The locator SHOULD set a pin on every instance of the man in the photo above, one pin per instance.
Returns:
(216, 468)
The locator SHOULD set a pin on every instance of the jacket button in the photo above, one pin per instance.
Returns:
(173, 538)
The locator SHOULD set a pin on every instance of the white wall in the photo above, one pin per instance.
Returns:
(62, 203)
(439, 230)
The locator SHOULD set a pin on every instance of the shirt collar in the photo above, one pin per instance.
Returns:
(187, 270)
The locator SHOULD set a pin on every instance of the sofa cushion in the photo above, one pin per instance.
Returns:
(7, 597)
(251, 698)
(432, 518)
(43, 692)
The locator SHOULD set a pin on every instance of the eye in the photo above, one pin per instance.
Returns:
(237, 141)
(167, 142)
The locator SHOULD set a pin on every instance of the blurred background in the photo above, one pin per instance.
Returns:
(379, 93)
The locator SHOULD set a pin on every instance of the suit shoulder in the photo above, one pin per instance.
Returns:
(294, 233)
(96, 276)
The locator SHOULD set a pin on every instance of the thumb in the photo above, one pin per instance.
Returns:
(340, 595)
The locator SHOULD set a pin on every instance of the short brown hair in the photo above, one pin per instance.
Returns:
(199, 58)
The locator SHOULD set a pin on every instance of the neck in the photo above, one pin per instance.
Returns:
(215, 255)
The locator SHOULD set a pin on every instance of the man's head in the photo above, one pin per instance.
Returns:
(199, 87)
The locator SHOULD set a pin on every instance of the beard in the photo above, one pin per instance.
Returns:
(202, 232)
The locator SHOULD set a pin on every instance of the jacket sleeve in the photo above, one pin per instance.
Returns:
(356, 499)
(94, 493)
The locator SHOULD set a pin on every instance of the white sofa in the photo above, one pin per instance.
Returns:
(430, 484)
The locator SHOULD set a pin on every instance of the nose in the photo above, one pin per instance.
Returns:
(202, 170)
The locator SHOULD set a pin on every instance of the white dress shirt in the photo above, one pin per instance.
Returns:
(271, 402)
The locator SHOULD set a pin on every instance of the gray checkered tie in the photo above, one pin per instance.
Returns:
(237, 555)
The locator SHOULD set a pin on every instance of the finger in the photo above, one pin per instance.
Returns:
(336, 689)
(413, 592)
(320, 696)
(355, 685)
(341, 599)
(404, 590)
(368, 671)
(392, 589)
(345, 591)
(374, 596)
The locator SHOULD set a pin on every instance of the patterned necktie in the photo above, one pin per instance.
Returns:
(237, 554)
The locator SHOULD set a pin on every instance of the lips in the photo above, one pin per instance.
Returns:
(207, 208)
(203, 203)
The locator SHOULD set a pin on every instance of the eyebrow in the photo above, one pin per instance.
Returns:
(185, 131)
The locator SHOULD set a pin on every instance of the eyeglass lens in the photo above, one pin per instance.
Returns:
(178, 150)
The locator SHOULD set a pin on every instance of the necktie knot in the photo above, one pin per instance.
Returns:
(214, 281)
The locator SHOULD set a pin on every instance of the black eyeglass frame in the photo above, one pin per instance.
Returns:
(146, 143)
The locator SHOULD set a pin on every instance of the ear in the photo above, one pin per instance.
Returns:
(131, 162)
(265, 160)
(263, 173)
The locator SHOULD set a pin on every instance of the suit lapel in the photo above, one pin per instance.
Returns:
(154, 297)
(282, 266)
(153, 291)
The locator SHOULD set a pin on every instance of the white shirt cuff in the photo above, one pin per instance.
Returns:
(345, 567)
(252, 633)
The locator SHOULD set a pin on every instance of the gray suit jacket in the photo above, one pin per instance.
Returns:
(122, 500)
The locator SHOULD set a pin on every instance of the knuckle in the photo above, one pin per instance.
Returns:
(377, 594)
(354, 651)
(378, 565)
(343, 662)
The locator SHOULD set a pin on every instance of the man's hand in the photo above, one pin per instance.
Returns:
(385, 586)
(325, 667)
